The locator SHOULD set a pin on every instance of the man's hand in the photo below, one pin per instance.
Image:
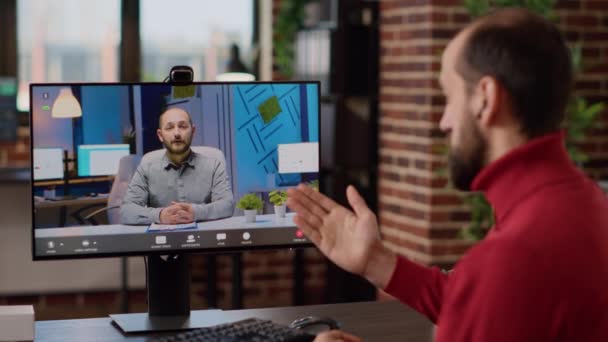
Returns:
(177, 213)
(336, 336)
(350, 239)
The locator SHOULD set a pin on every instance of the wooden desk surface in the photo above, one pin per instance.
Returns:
(372, 321)
(100, 199)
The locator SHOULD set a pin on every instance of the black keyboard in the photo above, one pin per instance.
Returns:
(252, 330)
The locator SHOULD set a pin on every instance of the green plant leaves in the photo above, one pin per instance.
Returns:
(250, 202)
(277, 197)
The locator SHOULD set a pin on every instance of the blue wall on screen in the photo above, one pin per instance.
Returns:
(103, 108)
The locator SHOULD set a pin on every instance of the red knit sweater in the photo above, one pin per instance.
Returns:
(541, 273)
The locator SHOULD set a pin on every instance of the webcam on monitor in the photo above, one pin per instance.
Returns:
(181, 74)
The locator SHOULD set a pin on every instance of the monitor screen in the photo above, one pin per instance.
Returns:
(201, 167)
(48, 163)
(100, 160)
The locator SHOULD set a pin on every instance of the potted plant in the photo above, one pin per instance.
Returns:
(250, 203)
(278, 198)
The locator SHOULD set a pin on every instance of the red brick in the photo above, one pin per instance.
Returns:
(572, 36)
(417, 99)
(596, 5)
(439, 216)
(406, 243)
(583, 20)
(440, 33)
(445, 200)
(408, 83)
(587, 85)
(408, 115)
(404, 66)
(447, 2)
(591, 52)
(461, 18)
(411, 131)
(450, 249)
(569, 4)
(418, 231)
(388, 35)
(444, 233)
(438, 100)
(439, 17)
(407, 146)
(415, 34)
(389, 175)
(460, 216)
(384, 159)
(402, 194)
(401, 161)
(599, 36)
(391, 20)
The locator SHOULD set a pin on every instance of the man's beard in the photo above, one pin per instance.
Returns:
(467, 161)
(179, 149)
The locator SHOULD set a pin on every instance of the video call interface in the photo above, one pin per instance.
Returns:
(97, 161)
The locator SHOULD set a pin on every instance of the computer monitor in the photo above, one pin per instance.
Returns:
(100, 160)
(250, 139)
(47, 164)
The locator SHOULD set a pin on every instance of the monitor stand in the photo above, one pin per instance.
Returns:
(168, 279)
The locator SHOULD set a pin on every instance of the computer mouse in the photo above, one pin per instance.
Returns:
(315, 324)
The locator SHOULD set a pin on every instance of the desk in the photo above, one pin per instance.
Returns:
(85, 203)
(372, 321)
(97, 200)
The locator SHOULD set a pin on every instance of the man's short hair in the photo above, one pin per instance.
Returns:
(163, 111)
(528, 56)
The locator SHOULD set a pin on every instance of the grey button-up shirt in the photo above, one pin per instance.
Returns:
(200, 180)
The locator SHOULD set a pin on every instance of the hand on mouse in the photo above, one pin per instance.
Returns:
(336, 336)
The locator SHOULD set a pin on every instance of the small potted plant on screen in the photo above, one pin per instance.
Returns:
(250, 203)
(278, 198)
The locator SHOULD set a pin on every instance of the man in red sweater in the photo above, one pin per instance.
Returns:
(541, 274)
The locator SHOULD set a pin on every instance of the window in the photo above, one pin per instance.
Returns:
(195, 33)
(66, 40)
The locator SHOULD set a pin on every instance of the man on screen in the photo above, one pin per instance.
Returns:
(541, 273)
(180, 185)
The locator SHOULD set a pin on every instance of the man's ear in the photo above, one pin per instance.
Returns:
(488, 101)
(193, 130)
(159, 135)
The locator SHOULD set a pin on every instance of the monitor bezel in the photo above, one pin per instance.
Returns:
(215, 250)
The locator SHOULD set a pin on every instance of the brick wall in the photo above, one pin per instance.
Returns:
(420, 217)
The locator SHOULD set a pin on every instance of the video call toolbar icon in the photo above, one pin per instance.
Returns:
(220, 236)
(161, 240)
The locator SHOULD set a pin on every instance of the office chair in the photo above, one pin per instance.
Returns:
(126, 168)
